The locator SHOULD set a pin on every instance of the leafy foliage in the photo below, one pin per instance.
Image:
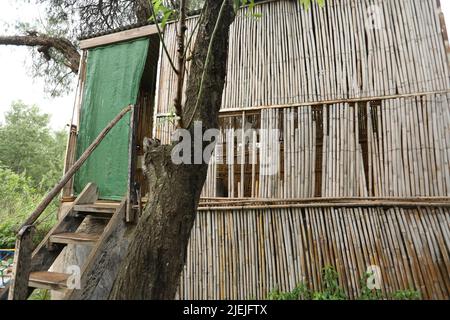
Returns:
(333, 291)
(40, 294)
(31, 162)
(17, 200)
(28, 146)
(406, 295)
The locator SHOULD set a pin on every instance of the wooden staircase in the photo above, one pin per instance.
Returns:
(31, 268)
(64, 233)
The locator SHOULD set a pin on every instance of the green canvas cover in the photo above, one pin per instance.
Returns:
(112, 82)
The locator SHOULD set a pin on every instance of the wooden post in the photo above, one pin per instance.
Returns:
(132, 158)
(70, 160)
(18, 289)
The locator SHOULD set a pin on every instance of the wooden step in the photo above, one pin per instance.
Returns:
(48, 280)
(102, 208)
(74, 238)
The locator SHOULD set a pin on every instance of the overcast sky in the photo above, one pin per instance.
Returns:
(15, 81)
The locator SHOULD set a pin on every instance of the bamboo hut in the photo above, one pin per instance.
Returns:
(347, 162)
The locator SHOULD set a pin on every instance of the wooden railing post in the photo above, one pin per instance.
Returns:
(18, 288)
(70, 160)
(77, 165)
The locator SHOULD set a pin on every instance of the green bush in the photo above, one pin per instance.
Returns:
(406, 295)
(31, 162)
(17, 200)
(333, 291)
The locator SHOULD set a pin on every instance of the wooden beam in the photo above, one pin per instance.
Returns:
(355, 204)
(118, 37)
(133, 33)
(74, 238)
(18, 289)
(77, 165)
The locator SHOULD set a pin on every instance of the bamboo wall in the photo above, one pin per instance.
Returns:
(291, 56)
(245, 254)
(361, 111)
(387, 148)
(374, 133)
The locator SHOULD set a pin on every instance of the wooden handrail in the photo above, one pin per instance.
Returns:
(71, 172)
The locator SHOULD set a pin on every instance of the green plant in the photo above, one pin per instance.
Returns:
(406, 295)
(300, 292)
(18, 198)
(40, 294)
(332, 290)
(366, 292)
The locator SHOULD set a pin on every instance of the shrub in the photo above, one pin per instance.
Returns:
(333, 291)
(17, 200)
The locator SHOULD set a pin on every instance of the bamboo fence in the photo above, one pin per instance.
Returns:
(245, 254)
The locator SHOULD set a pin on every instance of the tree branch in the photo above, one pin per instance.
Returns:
(161, 38)
(44, 42)
(207, 62)
(181, 62)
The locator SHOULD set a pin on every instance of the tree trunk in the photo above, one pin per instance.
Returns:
(142, 10)
(157, 252)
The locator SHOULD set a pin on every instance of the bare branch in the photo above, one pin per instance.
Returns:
(161, 38)
(44, 43)
(181, 62)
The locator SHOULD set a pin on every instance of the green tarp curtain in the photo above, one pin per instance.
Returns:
(112, 82)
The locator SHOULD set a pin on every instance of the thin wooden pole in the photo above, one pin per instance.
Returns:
(70, 173)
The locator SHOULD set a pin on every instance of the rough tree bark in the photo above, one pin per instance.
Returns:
(142, 10)
(44, 43)
(157, 251)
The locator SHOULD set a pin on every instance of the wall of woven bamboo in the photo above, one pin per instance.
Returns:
(383, 147)
(388, 148)
(290, 55)
(245, 254)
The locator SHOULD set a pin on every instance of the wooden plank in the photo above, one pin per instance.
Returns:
(48, 280)
(94, 209)
(76, 166)
(135, 33)
(74, 238)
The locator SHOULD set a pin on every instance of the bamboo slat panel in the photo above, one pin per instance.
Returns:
(244, 254)
(290, 55)
(389, 148)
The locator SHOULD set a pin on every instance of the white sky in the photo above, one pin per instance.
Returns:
(15, 81)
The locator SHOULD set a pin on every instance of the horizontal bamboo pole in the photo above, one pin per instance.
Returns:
(230, 111)
(249, 110)
(362, 204)
(209, 201)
